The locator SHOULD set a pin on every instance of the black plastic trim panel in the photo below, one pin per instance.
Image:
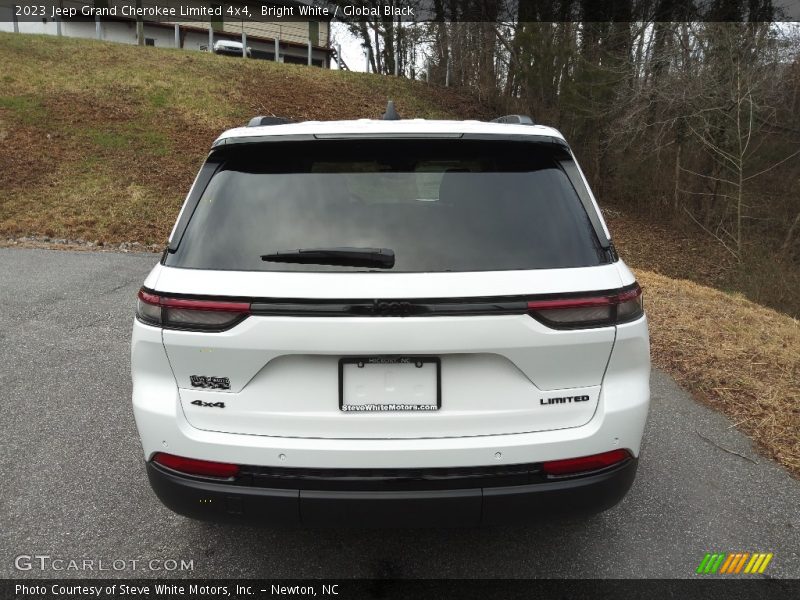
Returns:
(394, 307)
(391, 308)
(392, 479)
(474, 500)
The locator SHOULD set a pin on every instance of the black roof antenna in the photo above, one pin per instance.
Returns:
(391, 113)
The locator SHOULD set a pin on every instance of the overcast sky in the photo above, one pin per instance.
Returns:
(352, 52)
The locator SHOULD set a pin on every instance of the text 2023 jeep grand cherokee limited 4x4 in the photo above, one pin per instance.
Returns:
(397, 322)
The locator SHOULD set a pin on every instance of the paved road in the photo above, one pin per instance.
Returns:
(73, 484)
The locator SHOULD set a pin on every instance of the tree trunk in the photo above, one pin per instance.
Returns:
(787, 241)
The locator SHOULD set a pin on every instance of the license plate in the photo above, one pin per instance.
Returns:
(390, 384)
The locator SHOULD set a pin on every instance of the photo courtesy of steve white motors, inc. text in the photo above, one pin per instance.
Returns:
(168, 10)
(74, 590)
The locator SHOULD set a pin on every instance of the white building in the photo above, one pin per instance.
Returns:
(301, 40)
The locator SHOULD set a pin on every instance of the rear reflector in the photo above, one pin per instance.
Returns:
(193, 466)
(585, 464)
(184, 313)
(589, 311)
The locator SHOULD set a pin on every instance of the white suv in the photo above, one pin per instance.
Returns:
(397, 322)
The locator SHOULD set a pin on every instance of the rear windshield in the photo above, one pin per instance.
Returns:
(438, 205)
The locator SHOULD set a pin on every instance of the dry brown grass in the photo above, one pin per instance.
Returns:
(682, 253)
(738, 357)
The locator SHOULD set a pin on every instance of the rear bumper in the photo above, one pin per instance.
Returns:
(454, 506)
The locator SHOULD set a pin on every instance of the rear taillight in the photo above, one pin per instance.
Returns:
(191, 314)
(589, 311)
(585, 464)
(193, 466)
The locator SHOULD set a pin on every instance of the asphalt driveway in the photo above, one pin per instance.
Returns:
(74, 487)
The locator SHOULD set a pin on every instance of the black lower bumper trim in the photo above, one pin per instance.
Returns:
(212, 501)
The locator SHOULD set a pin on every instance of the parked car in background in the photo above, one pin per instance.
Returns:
(230, 48)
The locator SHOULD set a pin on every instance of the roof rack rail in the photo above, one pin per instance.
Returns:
(261, 121)
(514, 120)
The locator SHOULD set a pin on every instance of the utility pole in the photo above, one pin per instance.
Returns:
(244, 42)
(139, 25)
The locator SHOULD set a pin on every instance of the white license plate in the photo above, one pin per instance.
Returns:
(389, 384)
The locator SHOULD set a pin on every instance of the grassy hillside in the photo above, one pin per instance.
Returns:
(101, 141)
(736, 356)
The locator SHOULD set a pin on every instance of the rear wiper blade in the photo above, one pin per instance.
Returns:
(382, 258)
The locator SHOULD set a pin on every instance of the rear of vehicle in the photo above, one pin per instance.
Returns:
(390, 323)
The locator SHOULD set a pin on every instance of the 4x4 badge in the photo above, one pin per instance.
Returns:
(209, 404)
